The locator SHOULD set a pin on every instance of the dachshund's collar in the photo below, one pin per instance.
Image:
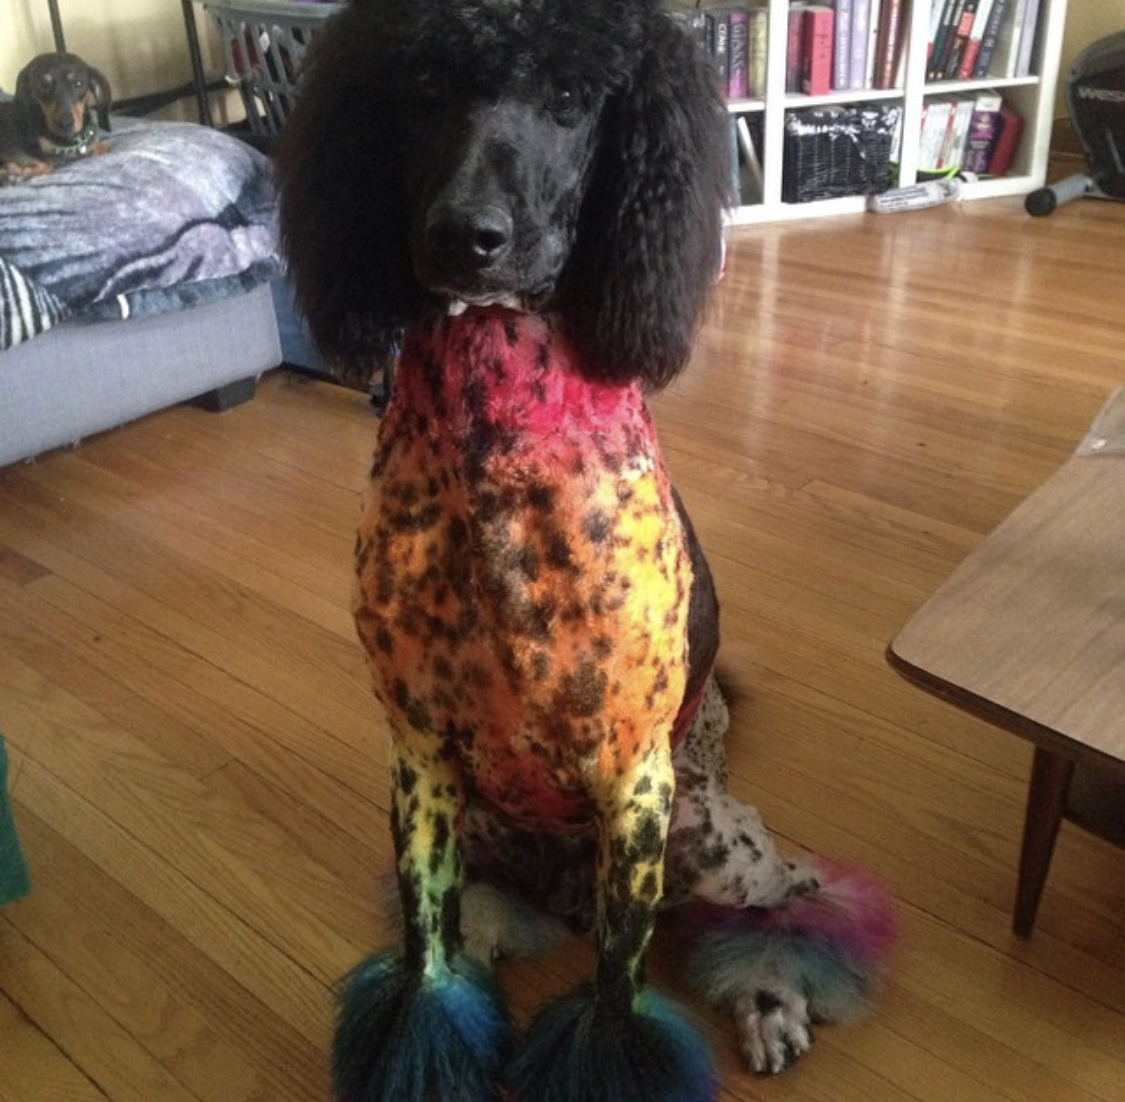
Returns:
(79, 146)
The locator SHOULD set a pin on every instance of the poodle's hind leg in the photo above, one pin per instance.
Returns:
(620, 1041)
(427, 1024)
(781, 944)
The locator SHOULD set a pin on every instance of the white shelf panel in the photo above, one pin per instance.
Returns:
(1033, 95)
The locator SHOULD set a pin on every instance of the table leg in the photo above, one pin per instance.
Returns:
(1046, 800)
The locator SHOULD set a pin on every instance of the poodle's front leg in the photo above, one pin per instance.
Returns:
(426, 1024)
(621, 1042)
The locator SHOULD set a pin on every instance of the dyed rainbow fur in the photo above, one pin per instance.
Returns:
(404, 1034)
(573, 1054)
(522, 590)
(817, 956)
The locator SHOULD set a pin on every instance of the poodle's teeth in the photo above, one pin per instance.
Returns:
(456, 306)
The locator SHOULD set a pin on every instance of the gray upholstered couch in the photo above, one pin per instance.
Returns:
(133, 281)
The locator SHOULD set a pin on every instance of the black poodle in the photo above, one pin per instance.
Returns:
(529, 195)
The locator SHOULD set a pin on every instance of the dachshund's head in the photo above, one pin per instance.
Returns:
(56, 91)
(566, 156)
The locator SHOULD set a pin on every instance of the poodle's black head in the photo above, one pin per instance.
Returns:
(568, 155)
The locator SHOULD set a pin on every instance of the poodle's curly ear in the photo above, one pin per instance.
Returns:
(343, 206)
(649, 240)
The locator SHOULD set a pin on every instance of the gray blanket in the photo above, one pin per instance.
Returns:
(172, 216)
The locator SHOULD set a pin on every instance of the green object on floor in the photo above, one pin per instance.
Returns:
(14, 880)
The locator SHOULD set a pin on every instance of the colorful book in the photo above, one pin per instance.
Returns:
(842, 45)
(959, 40)
(1007, 141)
(953, 154)
(984, 129)
(936, 47)
(757, 26)
(937, 118)
(982, 67)
(873, 18)
(720, 23)
(890, 44)
(816, 74)
(795, 47)
(1028, 38)
(857, 62)
(738, 84)
(976, 37)
(1007, 55)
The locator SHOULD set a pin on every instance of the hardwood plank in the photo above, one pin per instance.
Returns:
(99, 1047)
(189, 1014)
(34, 1069)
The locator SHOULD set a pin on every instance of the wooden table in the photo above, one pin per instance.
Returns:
(1029, 634)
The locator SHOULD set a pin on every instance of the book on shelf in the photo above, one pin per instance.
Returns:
(959, 37)
(975, 36)
(857, 46)
(720, 49)
(842, 45)
(747, 161)
(976, 39)
(758, 28)
(982, 66)
(1007, 141)
(984, 128)
(1028, 38)
(739, 57)
(939, 36)
(816, 65)
(794, 47)
(874, 14)
(734, 37)
(976, 132)
(864, 42)
(889, 48)
(1006, 60)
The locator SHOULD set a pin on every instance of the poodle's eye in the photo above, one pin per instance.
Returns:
(564, 104)
(430, 85)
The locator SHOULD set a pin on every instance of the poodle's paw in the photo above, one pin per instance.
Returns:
(774, 1030)
(403, 1035)
(495, 924)
(575, 1051)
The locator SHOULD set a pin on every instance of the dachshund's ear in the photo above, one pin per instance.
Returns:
(23, 85)
(344, 214)
(101, 95)
(649, 240)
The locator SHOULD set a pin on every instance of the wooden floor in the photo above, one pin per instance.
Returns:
(198, 767)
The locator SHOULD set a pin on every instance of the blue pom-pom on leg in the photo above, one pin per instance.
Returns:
(573, 1053)
(405, 1036)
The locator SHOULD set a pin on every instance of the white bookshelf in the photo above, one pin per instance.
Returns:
(1033, 97)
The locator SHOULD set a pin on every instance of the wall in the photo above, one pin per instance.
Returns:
(140, 45)
(1086, 22)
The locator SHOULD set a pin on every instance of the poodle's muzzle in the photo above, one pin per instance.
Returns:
(500, 184)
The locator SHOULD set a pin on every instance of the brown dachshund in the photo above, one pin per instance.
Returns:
(49, 119)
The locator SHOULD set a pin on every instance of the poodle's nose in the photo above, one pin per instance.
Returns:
(472, 237)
